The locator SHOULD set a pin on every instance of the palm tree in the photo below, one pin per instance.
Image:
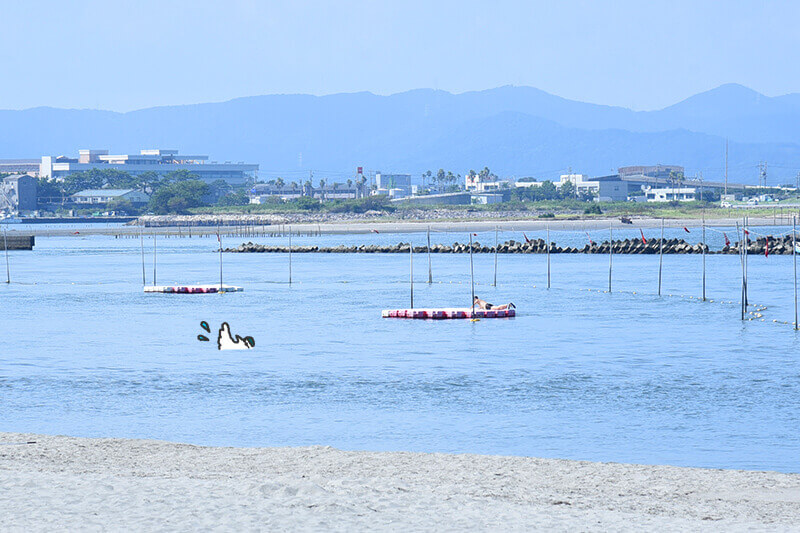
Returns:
(279, 183)
(349, 183)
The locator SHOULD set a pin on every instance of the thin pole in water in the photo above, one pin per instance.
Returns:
(290, 255)
(610, 254)
(155, 250)
(794, 257)
(660, 256)
(741, 261)
(704, 256)
(219, 239)
(746, 250)
(496, 242)
(141, 245)
(411, 270)
(471, 274)
(548, 255)
(5, 245)
(430, 271)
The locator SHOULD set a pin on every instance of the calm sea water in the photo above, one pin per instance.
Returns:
(627, 376)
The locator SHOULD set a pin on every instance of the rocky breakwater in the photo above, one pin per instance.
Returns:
(781, 245)
(538, 246)
(777, 245)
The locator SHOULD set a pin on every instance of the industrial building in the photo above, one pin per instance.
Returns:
(18, 193)
(20, 166)
(394, 181)
(156, 160)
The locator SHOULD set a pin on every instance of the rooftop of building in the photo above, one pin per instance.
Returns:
(104, 192)
(16, 177)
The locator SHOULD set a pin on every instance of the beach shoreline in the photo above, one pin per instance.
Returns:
(80, 483)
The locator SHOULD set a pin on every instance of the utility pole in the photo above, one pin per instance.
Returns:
(700, 177)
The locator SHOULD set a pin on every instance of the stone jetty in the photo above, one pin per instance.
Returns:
(777, 245)
(17, 242)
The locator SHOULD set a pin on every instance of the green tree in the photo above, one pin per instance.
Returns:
(238, 197)
(548, 191)
(121, 205)
(567, 190)
(178, 197)
(279, 183)
(307, 203)
(80, 181)
(149, 181)
(49, 189)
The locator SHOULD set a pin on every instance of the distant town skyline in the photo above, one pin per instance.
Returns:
(642, 56)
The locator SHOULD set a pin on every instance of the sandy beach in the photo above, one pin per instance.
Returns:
(115, 484)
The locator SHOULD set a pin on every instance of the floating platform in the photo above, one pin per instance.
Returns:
(445, 313)
(192, 289)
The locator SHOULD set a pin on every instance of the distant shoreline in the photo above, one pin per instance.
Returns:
(366, 226)
(115, 484)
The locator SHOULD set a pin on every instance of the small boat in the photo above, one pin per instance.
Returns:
(448, 313)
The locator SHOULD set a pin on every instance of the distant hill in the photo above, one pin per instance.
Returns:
(518, 131)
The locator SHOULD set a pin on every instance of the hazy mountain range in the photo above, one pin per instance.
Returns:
(518, 131)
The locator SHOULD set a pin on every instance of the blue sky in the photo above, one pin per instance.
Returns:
(638, 54)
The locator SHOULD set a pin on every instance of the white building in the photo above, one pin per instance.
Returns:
(103, 196)
(681, 194)
(156, 160)
(477, 184)
(582, 183)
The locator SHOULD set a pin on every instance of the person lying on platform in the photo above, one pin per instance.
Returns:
(486, 306)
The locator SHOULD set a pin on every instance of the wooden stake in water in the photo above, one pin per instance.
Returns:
(794, 258)
(746, 250)
(741, 260)
(5, 245)
(661, 256)
(411, 270)
(704, 257)
(430, 271)
(141, 245)
(471, 274)
(610, 254)
(496, 242)
(219, 239)
(290, 255)
(548, 255)
(155, 250)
